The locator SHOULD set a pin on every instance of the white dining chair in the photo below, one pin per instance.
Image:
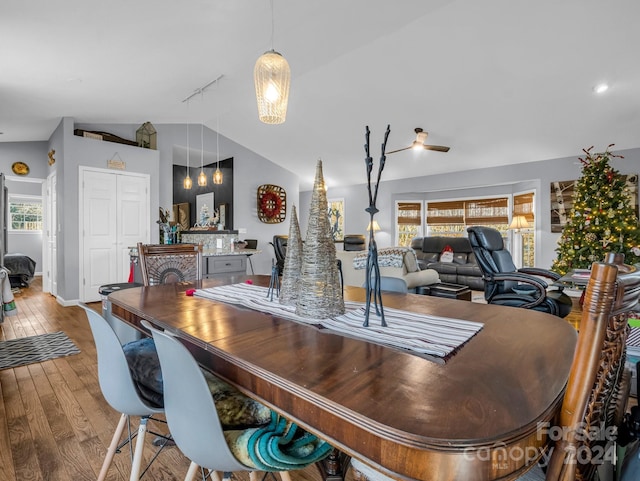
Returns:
(122, 392)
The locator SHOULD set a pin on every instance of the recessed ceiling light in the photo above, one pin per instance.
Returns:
(601, 88)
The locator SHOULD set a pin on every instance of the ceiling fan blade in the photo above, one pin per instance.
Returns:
(437, 148)
(399, 150)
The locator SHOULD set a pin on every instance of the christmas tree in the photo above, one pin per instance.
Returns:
(603, 218)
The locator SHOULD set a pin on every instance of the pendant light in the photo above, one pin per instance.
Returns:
(187, 183)
(202, 177)
(217, 175)
(272, 77)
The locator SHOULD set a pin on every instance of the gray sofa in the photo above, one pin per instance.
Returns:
(464, 269)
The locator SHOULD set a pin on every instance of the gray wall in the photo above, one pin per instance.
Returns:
(73, 151)
(250, 171)
(479, 182)
(34, 154)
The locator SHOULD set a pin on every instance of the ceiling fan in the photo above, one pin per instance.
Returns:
(419, 143)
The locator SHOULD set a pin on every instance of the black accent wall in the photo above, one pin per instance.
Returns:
(222, 193)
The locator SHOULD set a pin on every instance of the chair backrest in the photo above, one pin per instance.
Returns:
(169, 263)
(354, 242)
(189, 407)
(114, 375)
(491, 255)
(391, 284)
(595, 395)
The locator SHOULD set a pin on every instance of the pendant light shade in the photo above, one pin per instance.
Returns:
(217, 176)
(202, 179)
(272, 77)
(187, 183)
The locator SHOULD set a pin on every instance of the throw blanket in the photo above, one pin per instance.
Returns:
(21, 269)
(421, 334)
(279, 446)
(387, 257)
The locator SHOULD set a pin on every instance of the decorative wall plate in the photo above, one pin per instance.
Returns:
(20, 168)
(272, 204)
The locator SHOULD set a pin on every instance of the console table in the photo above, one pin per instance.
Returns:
(456, 420)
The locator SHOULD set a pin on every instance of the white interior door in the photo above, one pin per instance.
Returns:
(133, 219)
(99, 232)
(49, 245)
(114, 216)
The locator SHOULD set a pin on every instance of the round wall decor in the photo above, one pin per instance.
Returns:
(272, 204)
(20, 168)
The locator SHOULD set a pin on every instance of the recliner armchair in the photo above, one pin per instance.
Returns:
(501, 277)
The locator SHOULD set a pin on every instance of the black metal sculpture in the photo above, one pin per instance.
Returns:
(274, 282)
(373, 269)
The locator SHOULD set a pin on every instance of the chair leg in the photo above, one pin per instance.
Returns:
(113, 447)
(191, 472)
(285, 475)
(137, 455)
(253, 476)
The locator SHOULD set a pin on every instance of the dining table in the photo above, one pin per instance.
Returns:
(481, 412)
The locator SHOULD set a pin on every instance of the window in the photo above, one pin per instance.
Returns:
(451, 218)
(408, 221)
(523, 205)
(25, 213)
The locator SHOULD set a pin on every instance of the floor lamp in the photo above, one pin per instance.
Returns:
(518, 223)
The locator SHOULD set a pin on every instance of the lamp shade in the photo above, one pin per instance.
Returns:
(272, 77)
(376, 226)
(519, 222)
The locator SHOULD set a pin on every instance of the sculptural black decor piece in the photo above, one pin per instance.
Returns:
(373, 269)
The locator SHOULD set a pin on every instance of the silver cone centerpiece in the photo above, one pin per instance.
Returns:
(292, 263)
(320, 294)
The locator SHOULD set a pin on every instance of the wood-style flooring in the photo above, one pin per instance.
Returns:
(54, 423)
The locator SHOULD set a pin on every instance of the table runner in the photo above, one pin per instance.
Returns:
(422, 334)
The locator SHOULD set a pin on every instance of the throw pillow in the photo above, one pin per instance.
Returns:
(235, 410)
(144, 366)
(447, 254)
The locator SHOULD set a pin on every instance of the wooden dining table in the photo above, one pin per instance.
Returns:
(481, 414)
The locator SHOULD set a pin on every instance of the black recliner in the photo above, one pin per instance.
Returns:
(354, 242)
(507, 285)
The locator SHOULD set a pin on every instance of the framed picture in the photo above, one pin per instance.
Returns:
(222, 210)
(336, 218)
(201, 201)
(562, 199)
(182, 215)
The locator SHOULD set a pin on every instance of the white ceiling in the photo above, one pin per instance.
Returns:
(499, 81)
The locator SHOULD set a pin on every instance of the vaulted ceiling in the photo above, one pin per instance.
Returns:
(499, 81)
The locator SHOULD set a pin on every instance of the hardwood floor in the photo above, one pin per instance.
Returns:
(54, 423)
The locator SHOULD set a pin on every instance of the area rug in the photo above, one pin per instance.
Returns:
(27, 350)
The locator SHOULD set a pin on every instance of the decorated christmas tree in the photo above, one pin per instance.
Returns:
(603, 218)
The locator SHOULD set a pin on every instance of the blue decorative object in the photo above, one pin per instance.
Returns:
(373, 269)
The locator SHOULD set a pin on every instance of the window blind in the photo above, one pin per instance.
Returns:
(523, 205)
(410, 213)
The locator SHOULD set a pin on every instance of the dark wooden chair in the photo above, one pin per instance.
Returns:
(598, 385)
(169, 263)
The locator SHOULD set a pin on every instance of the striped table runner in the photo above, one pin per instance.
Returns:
(422, 334)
